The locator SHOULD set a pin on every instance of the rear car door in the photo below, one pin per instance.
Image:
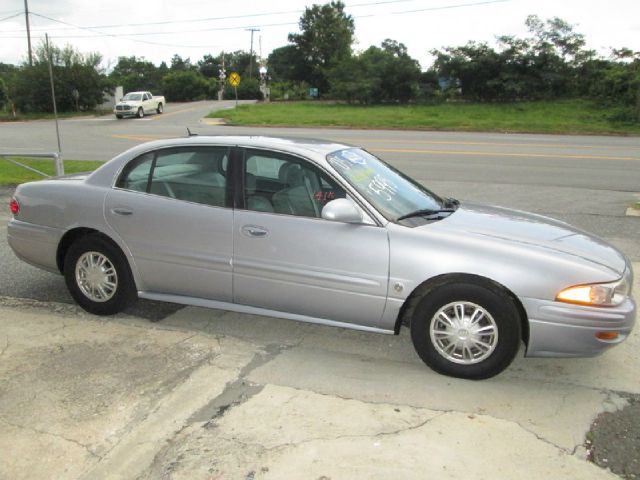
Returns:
(287, 258)
(172, 209)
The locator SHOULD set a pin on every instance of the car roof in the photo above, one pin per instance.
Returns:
(286, 144)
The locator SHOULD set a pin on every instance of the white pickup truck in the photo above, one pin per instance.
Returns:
(138, 104)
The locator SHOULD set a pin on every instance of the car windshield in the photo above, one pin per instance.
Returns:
(132, 96)
(392, 193)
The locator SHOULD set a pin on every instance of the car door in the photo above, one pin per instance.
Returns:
(146, 103)
(287, 258)
(172, 209)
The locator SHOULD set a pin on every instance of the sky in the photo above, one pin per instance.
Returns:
(158, 29)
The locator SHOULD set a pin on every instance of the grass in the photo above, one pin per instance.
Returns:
(11, 174)
(562, 117)
(21, 117)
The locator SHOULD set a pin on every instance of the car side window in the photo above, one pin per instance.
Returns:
(145, 97)
(277, 183)
(135, 175)
(194, 174)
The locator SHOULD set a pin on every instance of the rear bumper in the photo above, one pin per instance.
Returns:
(34, 244)
(563, 330)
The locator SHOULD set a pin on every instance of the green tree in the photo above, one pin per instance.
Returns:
(287, 64)
(552, 63)
(72, 70)
(4, 94)
(184, 86)
(325, 38)
(209, 66)
(618, 85)
(385, 74)
(135, 74)
(179, 64)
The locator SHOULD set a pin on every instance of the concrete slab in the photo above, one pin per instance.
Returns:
(306, 435)
(74, 387)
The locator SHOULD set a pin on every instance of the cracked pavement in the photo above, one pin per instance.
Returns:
(218, 395)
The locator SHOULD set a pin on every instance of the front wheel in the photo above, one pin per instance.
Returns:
(140, 113)
(98, 277)
(159, 109)
(119, 117)
(466, 330)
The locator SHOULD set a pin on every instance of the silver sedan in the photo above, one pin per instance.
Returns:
(325, 233)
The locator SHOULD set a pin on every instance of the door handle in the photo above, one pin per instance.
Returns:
(121, 211)
(254, 231)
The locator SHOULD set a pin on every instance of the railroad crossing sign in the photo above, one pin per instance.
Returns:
(234, 79)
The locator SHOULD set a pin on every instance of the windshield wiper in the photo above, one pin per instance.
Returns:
(426, 213)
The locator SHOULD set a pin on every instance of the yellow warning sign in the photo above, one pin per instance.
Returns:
(234, 79)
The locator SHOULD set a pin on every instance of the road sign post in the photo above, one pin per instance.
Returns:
(234, 81)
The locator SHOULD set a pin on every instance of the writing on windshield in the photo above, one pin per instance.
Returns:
(387, 189)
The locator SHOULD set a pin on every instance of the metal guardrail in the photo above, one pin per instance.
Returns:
(55, 156)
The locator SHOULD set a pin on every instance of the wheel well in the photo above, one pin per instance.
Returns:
(404, 317)
(70, 238)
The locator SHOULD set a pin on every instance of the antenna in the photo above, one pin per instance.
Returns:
(191, 134)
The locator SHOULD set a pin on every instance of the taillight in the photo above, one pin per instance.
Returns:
(14, 206)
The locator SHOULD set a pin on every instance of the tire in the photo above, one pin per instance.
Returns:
(119, 117)
(478, 315)
(160, 109)
(98, 276)
(140, 113)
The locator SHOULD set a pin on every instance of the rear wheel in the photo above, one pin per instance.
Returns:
(160, 108)
(140, 113)
(466, 330)
(98, 277)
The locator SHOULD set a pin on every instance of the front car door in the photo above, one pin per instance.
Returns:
(146, 103)
(287, 258)
(172, 209)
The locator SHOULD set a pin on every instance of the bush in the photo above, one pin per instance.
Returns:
(289, 90)
(249, 89)
(184, 86)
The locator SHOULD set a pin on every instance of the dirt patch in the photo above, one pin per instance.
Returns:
(614, 440)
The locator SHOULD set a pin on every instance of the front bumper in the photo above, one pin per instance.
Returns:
(126, 113)
(559, 329)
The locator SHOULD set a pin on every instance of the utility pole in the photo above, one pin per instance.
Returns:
(26, 17)
(252, 30)
(53, 90)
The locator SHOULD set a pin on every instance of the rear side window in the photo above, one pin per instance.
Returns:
(194, 174)
(136, 174)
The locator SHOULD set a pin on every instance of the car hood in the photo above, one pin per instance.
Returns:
(531, 230)
(129, 102)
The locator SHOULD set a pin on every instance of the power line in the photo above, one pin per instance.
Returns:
(243, 27)
(11, 16)
(449, 7)
(229, 17)
(171, 32)
(122, 36)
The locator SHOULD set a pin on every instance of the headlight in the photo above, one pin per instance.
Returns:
(598, 294)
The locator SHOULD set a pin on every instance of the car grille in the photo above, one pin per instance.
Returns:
(123, 107)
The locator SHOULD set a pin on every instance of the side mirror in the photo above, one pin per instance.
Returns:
(341, 210)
